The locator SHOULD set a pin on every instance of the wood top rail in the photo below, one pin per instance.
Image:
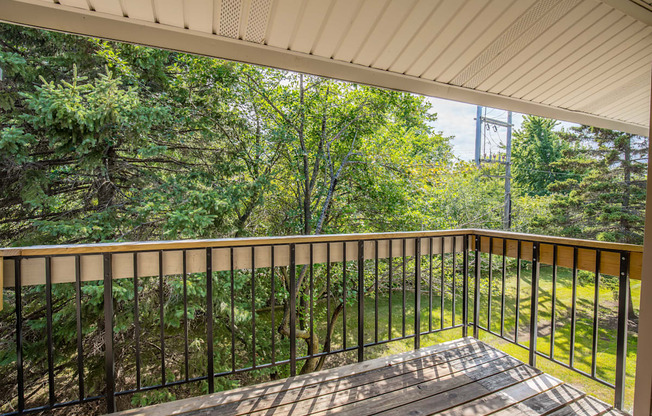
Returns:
(63, 264)
(217, 243)
(302, 239)
(601, 245)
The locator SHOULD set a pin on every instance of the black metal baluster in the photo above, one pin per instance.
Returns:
(328, 288)
(465, 287)
(161, 315)
(253, 306)
(491, 285)
(431, 241)
(293, 312)
(571, 359)
(312, 296)
(232, 311)
(442, 286)
(209, 317)
(534, 306)
(476, 292)
(19, 335)
(502, 293)
(417, 293)
(404, 293)
(78, 318)
(360, 301)
(109, 365)
(518, 290)
(621, 340)
(553, 309)
(454, 289)
(596, 307)
(273, 305)
(344, 334)
(185, 314)
(48, 323)
(376, 291)
(136, 320)
(390, 259)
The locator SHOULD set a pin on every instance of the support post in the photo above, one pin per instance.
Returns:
(621, 340)
(417, 293)
(534, 305)
(643, 384)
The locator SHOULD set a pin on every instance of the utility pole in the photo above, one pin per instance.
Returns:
(507, 215)
(478, 135)
(484, 124)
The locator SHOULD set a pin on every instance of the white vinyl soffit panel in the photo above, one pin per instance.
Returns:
(585, 61)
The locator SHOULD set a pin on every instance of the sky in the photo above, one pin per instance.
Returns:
(458, 119)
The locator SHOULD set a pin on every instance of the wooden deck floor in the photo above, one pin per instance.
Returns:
(462, 377)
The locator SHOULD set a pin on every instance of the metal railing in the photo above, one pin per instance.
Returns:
(202, 302)
(621, 262)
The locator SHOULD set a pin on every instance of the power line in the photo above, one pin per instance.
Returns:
(491, 125)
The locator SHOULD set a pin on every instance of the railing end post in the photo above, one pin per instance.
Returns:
(621, 340)
(209, 319)
(465, 287)
(534, 306)
(360, 301)
(293, 312)
(109, 365)
(417, 293)
(476, 289)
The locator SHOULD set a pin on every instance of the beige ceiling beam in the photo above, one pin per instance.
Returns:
(632, 8)
(53, 16)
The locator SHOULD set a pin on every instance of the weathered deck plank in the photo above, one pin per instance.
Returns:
(504, 398)
(363, 385)
(455, 378)
(391, 389)
(586, 406)
(301, 381)
(443, 399)
(545, 402)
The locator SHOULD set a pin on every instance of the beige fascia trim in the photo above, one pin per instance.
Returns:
(41, 14)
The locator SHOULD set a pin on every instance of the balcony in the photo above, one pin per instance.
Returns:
(150, 322)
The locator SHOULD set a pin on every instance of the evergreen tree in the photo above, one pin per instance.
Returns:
(603, 197)
(101, 141)
(535, 149)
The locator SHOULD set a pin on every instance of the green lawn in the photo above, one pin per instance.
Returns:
(606, 356)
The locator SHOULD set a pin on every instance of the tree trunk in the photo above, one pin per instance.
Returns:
(105, 186)
(329, 334)
(310, 364)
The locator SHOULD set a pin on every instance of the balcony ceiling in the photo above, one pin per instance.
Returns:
(585, 61)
